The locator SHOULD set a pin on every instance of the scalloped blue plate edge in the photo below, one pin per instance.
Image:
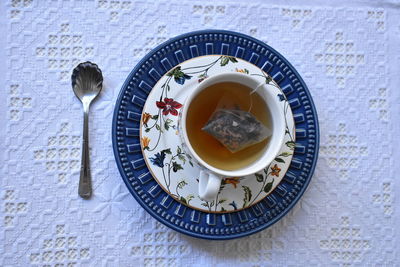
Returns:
(150, 211)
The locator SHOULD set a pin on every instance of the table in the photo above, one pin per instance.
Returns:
(347, 53)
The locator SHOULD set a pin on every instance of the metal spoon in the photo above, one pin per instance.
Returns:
(87, 81)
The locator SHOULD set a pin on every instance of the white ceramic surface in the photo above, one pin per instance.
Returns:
(210, 176)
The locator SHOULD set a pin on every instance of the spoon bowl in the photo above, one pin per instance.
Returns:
(87, 80)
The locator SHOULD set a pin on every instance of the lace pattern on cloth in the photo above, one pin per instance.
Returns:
(347, 55)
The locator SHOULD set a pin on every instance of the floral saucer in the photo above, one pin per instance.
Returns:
(162, 150)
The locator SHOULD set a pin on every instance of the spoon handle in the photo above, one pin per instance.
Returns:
(85, 183)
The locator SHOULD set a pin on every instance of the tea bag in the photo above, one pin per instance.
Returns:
(235, 128)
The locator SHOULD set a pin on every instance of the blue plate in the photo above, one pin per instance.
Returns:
(138, 179)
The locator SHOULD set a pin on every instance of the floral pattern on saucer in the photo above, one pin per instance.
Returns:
(173, 169)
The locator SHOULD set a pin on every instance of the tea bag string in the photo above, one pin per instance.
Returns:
(252, 92)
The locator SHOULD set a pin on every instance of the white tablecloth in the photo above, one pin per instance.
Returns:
(347, 53)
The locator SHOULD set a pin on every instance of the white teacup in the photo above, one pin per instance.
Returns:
(210, 177)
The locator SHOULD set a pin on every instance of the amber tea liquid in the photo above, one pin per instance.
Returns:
(201, 109)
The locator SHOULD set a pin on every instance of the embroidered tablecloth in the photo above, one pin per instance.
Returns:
(347, 53)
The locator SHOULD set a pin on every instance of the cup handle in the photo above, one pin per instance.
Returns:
(209, 185)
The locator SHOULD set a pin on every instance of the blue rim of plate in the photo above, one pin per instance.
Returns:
(145, 189)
